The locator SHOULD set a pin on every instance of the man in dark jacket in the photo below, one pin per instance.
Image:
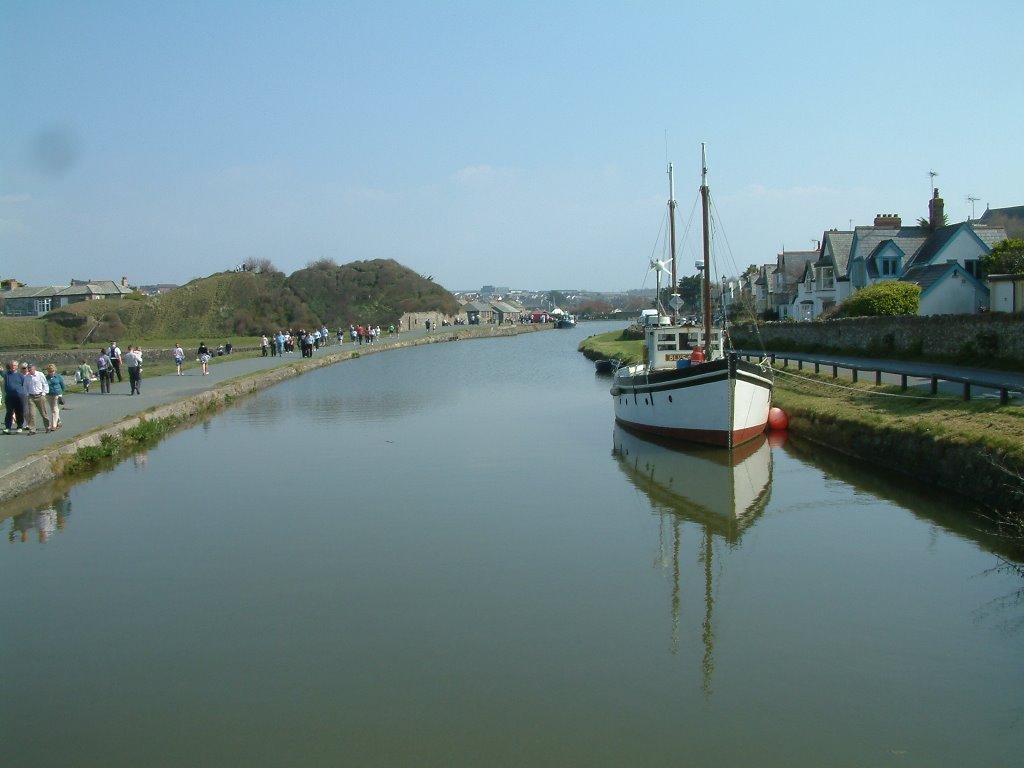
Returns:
(14, 399)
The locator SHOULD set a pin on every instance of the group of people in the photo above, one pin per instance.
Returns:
(284, 342)
(108, 365)
(26, 392)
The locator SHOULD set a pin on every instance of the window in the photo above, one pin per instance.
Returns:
(827, 278)
(42, 306)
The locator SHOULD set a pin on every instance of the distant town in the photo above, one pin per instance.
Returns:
(941, 258)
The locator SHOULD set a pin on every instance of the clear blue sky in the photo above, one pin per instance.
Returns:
(507, 143)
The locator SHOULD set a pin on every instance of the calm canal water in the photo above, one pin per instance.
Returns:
(449, 556)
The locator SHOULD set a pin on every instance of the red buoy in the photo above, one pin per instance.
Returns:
(777, 419)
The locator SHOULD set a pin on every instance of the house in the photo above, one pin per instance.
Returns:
(505, 313)
(478, 312)
(789, 273)
(942, 259)
(826, 282)
(34, 301)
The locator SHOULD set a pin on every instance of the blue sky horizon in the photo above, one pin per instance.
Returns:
(487, 143)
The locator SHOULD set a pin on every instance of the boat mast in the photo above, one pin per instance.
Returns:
(706, 286)
(672, 233)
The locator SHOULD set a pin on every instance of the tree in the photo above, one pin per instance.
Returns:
(689, 291)
(1006, 258)
(926, 224)
(889, 298)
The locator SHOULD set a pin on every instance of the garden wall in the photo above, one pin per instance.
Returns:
(970, 339)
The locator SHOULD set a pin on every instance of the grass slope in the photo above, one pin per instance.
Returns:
(240, 304)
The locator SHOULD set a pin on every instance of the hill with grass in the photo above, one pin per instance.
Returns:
(229, 304)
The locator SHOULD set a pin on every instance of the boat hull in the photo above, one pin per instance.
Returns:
(723, 403)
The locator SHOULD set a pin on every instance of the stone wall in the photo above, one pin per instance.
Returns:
(969, 338)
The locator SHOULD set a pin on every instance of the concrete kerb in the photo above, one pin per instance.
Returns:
(44, 466)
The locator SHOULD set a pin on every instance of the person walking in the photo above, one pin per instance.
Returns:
(133, 361)
(179, 358)
(115, 359)
(85, 374)
(14, 403)
(265, 345)
(204, 357)
(36, 389)
(105, 370)
(55, 397)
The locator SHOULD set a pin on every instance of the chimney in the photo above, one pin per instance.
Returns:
(888, 221)
(124, 282)
(935, 213)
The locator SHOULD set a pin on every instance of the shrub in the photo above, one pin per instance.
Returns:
(883, 299)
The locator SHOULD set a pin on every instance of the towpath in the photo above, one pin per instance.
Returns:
(22, 456)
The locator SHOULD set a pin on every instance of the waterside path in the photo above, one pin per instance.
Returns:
(28, 461)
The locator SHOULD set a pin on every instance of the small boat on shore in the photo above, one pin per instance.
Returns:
(606, 366)
(689, 385)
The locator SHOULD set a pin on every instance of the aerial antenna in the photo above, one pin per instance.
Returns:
(933, 174)
(972, 200)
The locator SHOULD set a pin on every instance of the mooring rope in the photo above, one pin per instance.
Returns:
(858, 390)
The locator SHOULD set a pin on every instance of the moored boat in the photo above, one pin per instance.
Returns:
(690, 386)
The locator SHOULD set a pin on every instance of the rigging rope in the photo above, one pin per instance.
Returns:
(857, 390)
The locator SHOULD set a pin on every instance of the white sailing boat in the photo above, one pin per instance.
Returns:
(690, 386)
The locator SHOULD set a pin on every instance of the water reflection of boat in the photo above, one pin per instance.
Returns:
(721, 491)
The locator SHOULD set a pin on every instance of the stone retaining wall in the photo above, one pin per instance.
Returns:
(974, 338)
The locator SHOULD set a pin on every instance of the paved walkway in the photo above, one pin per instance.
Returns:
(86, 412)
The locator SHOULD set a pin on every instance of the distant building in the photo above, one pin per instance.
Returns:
(34, 301)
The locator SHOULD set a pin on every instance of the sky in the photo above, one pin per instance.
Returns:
(518, 144)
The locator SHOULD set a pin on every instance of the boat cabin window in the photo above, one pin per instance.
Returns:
(666, 342)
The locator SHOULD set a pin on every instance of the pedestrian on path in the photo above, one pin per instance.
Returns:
(105, 370)
(204, 357)
(55, 397)
(179, 358)
(14, 403)
(115, 359)
(36, 390)
(133, 360)
(84, 375)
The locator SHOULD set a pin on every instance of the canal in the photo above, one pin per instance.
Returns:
(449, 555)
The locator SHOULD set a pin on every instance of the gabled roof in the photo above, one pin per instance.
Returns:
(477, 306)
(99, 288)
(930, 275)
(503, 307)
(31, 292)
(1010, 219)
(792, 264)
(835, 251)
(984, 235)
(872, 258)
(867, 239)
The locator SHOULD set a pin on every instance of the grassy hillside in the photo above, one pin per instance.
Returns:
(241, 304)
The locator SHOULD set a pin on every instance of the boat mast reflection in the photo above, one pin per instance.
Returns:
(723, 492)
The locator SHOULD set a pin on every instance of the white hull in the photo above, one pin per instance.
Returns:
(723, 403)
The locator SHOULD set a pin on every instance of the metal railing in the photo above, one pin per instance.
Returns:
(904, 374)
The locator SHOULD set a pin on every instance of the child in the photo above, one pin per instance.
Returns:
(84, 374)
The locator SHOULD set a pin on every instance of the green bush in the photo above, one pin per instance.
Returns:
(883, 299)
